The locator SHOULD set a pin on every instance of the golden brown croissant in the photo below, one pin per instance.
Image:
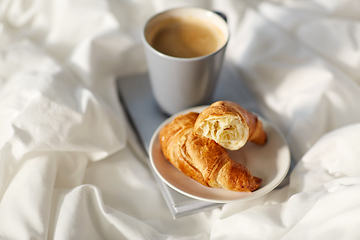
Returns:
(230, 125)
(202, 158)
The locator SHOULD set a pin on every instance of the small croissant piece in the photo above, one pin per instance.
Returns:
(231, 126)
(202, 158)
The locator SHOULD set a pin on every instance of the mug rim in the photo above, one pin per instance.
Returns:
(180, 58)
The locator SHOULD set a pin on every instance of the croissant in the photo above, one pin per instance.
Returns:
(202, 158)
(230, 125)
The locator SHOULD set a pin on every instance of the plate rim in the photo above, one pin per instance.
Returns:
(254, 196)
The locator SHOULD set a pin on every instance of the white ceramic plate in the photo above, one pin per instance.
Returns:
(270, 162)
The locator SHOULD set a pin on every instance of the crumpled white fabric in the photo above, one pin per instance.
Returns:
(70, 167)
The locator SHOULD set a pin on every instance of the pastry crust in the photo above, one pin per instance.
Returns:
(230, 125)
(202, 158)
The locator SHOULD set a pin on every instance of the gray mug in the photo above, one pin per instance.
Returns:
(180, 82)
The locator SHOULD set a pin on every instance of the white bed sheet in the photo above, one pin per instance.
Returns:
(70, 167)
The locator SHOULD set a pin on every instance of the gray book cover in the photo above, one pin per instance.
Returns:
(145, 116)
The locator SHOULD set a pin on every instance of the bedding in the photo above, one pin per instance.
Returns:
(70, 165)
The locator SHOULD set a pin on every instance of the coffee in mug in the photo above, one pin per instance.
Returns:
(184, 50)
(187, 37)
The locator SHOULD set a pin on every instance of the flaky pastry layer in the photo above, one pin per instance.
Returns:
(227, 130)
(230, 125)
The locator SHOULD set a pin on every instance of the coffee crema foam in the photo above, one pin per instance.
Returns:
(187, 37)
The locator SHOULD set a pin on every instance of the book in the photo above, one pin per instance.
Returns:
(145, 116)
